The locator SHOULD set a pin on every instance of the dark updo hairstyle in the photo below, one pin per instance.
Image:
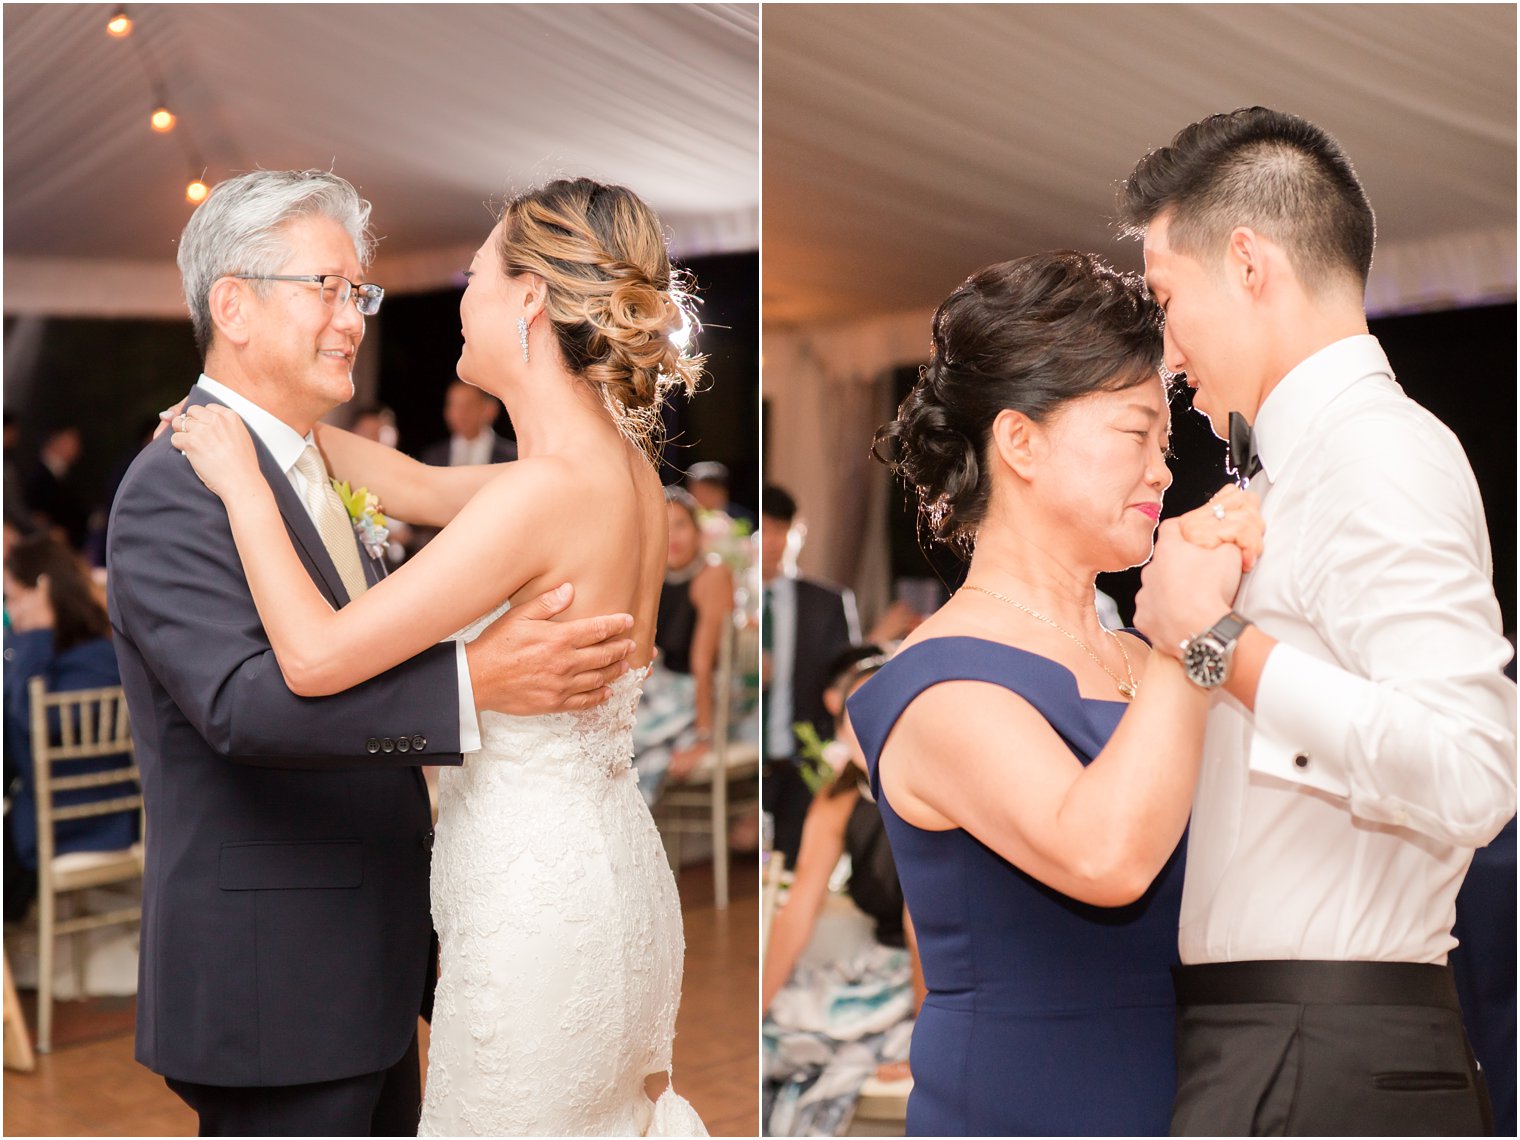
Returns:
(613, 299)
(78, 616)
(1030, 334)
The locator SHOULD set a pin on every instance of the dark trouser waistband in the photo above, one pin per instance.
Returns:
(1316, 983)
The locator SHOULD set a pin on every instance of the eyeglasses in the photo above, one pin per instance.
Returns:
(335, 290)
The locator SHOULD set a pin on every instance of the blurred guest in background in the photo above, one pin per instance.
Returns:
(844, 1013)
(470, 414)
(676, 712)
(17, 514)
(50, 492)
(376, 422)
(708, 484)
(804, 625)
(58, 631)
(100, 517)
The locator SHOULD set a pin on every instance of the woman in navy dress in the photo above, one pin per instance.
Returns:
(57, 630)
(1035, 771)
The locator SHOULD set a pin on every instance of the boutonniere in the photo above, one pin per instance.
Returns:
(364, 509)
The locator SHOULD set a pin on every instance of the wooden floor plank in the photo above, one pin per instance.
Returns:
(90, 1085)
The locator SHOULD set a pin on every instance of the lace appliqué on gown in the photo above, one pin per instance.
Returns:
(560, 933)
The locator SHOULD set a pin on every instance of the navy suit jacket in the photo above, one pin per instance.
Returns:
(286, 935)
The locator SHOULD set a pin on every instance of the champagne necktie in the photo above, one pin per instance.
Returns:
(331, 520)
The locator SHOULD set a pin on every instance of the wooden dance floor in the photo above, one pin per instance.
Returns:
(90, 1085)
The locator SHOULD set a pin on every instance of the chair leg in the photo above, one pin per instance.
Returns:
(720, 840)
(18, 1045)
(46, 920)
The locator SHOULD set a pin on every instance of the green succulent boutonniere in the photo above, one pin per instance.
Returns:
(364, 509)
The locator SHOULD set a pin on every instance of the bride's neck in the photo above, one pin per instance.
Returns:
(553, 411)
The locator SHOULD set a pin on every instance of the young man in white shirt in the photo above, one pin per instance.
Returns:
(1361, 744)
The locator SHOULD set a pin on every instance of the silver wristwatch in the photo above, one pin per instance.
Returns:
(1206, 656)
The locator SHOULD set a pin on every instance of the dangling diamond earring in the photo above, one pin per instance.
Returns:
(522, 335)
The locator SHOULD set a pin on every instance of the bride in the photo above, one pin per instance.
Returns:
(560, 930)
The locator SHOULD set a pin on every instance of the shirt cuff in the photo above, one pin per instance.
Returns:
(469, 723)
(1302, 705)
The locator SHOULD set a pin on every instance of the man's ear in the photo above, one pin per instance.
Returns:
(230, 305)
(1017, 441)
(1250, 260)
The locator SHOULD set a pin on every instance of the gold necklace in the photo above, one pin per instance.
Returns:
(1127, 687)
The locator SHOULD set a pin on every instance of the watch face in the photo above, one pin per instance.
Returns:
(1204, 662)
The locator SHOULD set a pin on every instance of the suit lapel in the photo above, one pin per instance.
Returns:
(298, 524)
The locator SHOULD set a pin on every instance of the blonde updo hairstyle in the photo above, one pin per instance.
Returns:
(613, 299)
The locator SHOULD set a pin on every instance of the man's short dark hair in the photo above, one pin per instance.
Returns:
(777, 503)
(1277, 173)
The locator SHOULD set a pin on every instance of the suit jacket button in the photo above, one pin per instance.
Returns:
(387, 745)
(403, 744)
(372, 745)
(419, 743)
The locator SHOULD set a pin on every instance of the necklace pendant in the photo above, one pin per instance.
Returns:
(1128, 690)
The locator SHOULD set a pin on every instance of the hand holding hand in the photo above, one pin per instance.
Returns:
(1185, 588)
(1232, 516)
(216, 441)
(527, 665)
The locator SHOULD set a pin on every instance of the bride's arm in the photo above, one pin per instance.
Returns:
(408, 490)
(487, 553)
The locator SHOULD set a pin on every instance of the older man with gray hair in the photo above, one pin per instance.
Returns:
(286, 942)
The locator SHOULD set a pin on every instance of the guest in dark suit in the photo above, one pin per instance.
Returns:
(58, 631)
(470, 415)
(50, 492)
(805, 625)
(286, 941)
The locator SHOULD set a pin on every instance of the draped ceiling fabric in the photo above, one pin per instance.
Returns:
(432, 110)
(907, 145)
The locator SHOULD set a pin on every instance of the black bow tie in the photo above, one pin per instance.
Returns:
(1242, 461)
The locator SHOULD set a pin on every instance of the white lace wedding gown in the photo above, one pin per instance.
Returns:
(560, 932)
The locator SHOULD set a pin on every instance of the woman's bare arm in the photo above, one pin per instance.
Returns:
(712, 592)
(975, 755)
(408, 490)
(823, 834)
(492, 548)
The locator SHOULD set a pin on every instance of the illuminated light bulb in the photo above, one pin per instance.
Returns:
(162, 120)
(119, 25)
(196, 192)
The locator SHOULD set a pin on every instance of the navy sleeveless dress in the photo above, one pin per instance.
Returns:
(1045, 1016)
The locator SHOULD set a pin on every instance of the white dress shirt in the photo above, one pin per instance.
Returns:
(471, 452)
(1337, 823)
(286, 444)
(782, 613)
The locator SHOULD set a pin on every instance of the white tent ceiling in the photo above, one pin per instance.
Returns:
(430, 109)
(906, 145)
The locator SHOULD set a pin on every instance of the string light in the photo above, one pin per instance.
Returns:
(119, 25)
(162, 120)
(196, 192)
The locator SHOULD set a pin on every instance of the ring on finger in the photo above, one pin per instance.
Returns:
(184, 421)
(1218, 512)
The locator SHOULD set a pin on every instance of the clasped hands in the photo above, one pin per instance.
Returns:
(1194, 574)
